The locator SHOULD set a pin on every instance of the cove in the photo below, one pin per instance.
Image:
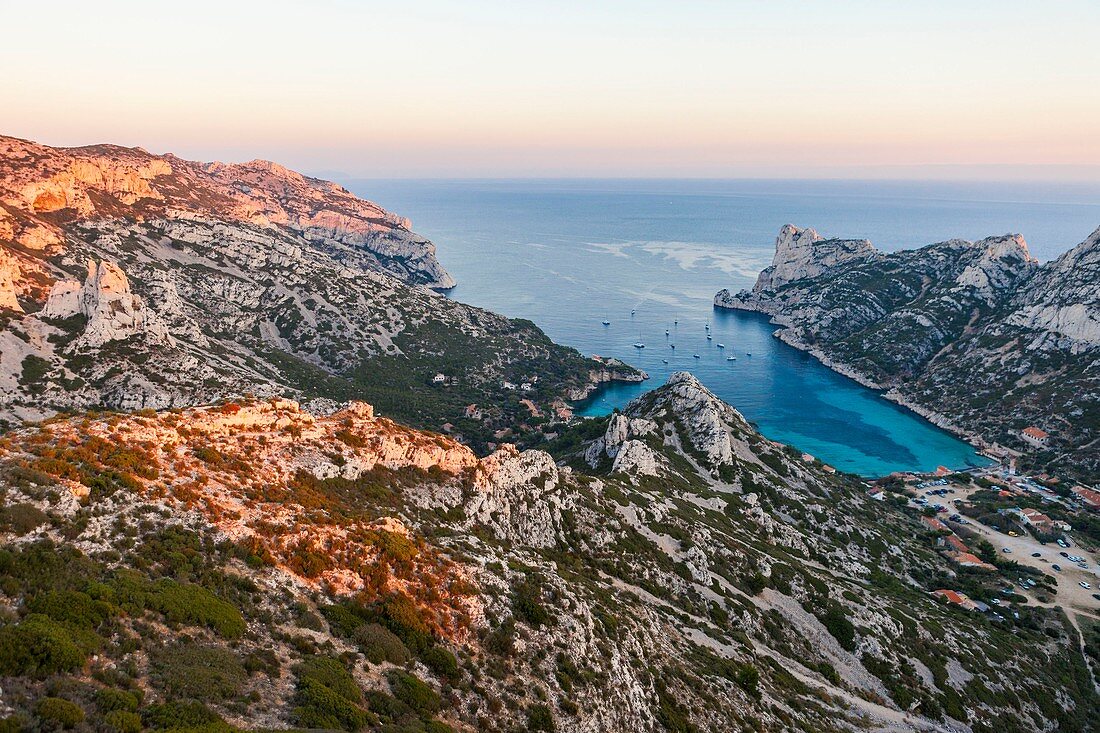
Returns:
(569, 255)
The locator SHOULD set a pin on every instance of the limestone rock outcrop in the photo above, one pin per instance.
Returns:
(112, 311)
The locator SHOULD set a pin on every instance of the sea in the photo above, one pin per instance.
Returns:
(647, 256)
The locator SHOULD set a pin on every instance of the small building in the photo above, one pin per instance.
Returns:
(955, 598)
(508, 385)
(957, 544)
(526, 387)
(877, 493)
(472, 412)
(1035, 437)
(439, 378)
(935, 525)
(1088, 497)
(807, 458)
(1035, 518)
(968, 560)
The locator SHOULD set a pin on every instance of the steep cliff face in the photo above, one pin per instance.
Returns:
(277, 567)
(54, 186)
(978, 333)
(214, 280)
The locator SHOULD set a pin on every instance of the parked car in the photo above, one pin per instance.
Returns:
(1006, 550)
(1057, 567)
(1036, 554)
(1084, 585)
(1064, 554)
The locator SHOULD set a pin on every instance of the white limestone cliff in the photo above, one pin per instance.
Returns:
(803, 253)
(9, 274)
(105, 299)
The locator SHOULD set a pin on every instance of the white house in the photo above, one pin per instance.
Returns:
(1035, 437)
(439, 378)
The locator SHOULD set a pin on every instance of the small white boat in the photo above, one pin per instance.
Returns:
(632, 312)
(607, 323)
(748, 353)
(709, 337)
(696, 356)
(664, 361)
(720, 346)
(731, 358)
(666, 332)
(639, 345)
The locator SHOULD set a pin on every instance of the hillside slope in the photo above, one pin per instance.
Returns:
(265, 566)
(130, 280)
(976, 334)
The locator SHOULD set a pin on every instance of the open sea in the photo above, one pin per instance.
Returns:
(569, 254)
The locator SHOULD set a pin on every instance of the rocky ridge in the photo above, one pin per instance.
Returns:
(726, 583)
(976, 335)
(210, 281)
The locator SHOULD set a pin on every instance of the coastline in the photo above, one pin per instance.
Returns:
(786, 334)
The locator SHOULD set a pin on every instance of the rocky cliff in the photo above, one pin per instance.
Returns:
(978, 335)
(130, 280)
(256, 564)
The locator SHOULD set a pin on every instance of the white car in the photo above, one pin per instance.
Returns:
(1084, 585)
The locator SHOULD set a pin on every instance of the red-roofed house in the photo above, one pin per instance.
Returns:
(1035, 437)
(959, 599)
(967, 560)
(935, 524)
(1038, 520)
(956, 543)
(1088, 497)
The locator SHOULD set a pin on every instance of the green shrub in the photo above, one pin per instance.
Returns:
(58, 712)
(19, 519)
(379, 644)
(441, 661)
(13, 724)
(72, 607)
(40, 646)
(837, 623)
(327, 696)
(172, 715)
(412, 691)
(539, 718)
(527, 605)
(109, 699)
(123, 721)
(205, 673)
(184, 603)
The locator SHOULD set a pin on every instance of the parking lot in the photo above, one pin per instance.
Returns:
(1070, 594)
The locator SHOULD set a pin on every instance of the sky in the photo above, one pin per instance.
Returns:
(995, 89)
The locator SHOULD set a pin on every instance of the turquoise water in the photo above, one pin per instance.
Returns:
(570, 254)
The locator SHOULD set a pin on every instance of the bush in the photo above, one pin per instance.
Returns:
(539, 718)
(123, 721)
(55, 711)
(527, 605)
(40, 646)
(327, 696)
(171, 715)
(72, 607)
(412, 691)
(441, 661)
(755, 584)
(19, 519)
(109, 700)
(184, 603)
(209, 674)
(837, 623)
(379, 644)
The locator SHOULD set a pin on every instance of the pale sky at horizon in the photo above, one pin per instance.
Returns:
(970, 88)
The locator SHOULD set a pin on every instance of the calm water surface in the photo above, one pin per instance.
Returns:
(571, 254)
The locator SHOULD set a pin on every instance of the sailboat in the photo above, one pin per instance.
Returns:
(696, 356)
(607, 323)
